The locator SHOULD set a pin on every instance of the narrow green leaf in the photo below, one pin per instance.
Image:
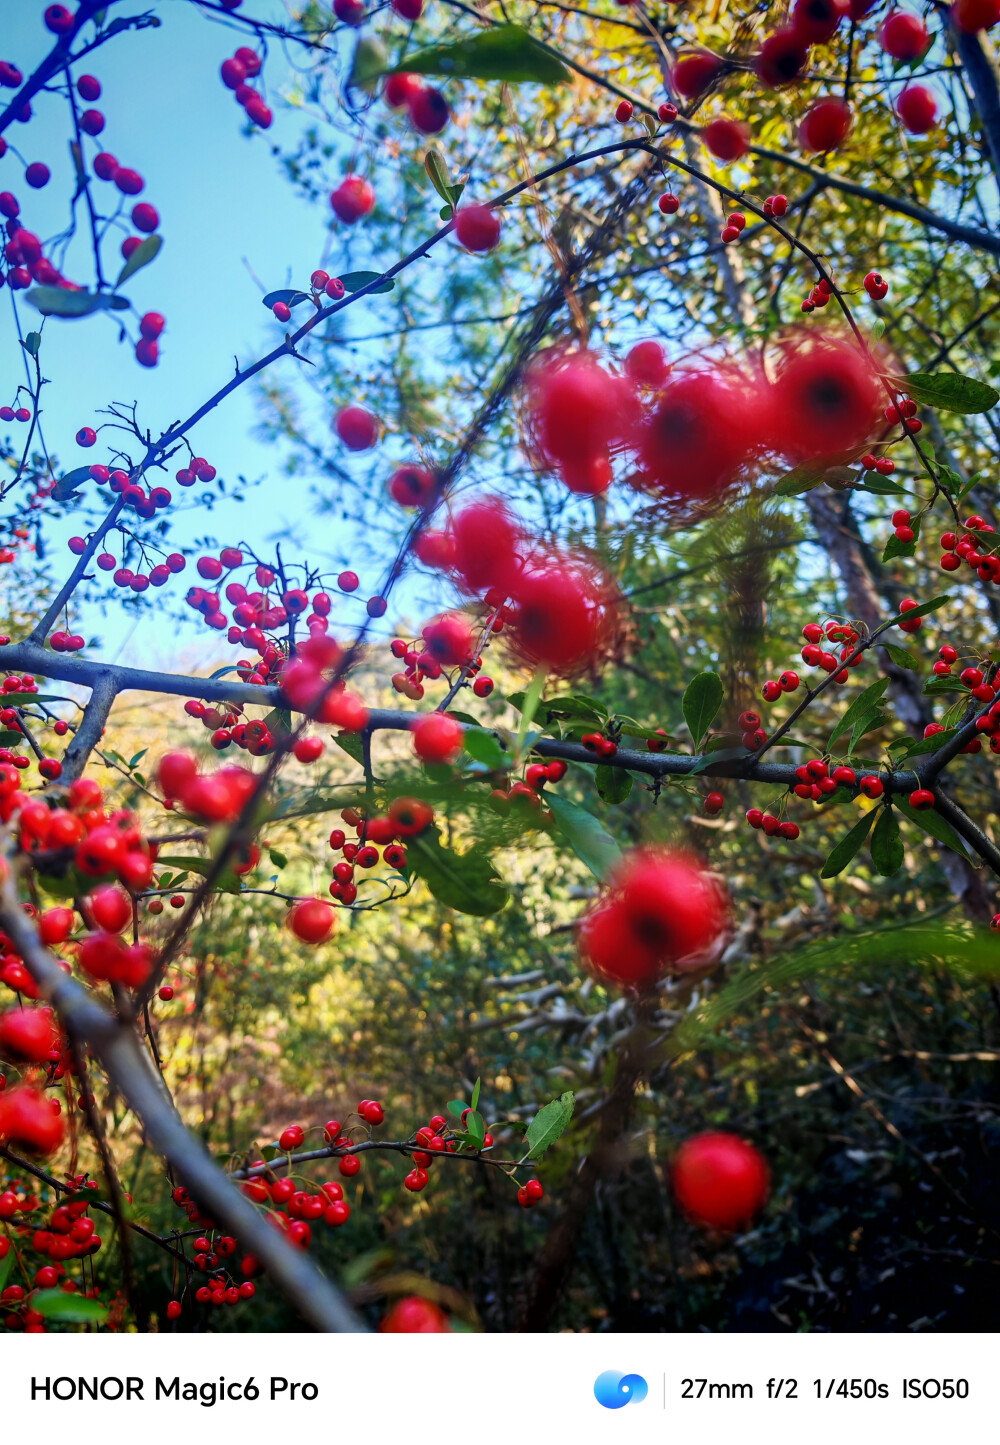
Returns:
(370, 63)
(886, 845)
(848, 847)
(475, 1093)
(939, 686)
(67, 486)
(467, 882)
(504, 52)
(71, 305)
(922, 610)
(865, 725)
(56, 1304)
(476, 1126)
(437, 169)
(358, 280)
(932, 822)
(950, 392)
(799, 480)
(879, 485)
(551, 1121)
(613, 784)
(485, 748)
(456, 1107)
(701, 702)
(146, 251)
(862, 705)
(927, 745)
(878, 328)
(290, 298)
(901, 656)
(585, 835)
(6, 1265)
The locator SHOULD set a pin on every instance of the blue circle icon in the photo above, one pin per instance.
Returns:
(613, 1389)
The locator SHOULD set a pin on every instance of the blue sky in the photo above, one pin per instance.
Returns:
(229, 220)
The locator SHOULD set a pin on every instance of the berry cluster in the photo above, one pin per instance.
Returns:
(236, 72)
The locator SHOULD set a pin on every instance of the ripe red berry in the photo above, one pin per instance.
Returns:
(624, 111)
(720, 1180)
(669, 204)
(312, 920)
(477, 228)
(358, 429)
(916, 107)
(353, 199)
(825, 125)
(437, 738)
(903, 36)
(921, 798)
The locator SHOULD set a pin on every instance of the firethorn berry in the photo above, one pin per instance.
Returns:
(624, 110)
(667, 112)
(921, 798)
(726, 139)
(58, 19)
(478, 228)
(660, 910)
(349, 1165)
(789, 681)
(903, 36)
(415, 1316)
(437, 738)
(412, 486)
(428, 110)
(720, 1180)
(871, 787)
(916, 107)
(844, 776)
(771, 691)
(358, 429)
(37, 175)
(972, 15)
(915, 623)
(782, 58)
(948, 653)
(312, 920)
(825, 125)
(669, 204)
(483, 686)
(714, 803)
(353, 199)
(877, 288)
(647, 364)
(282, 311)
(307, 750)
(291, 1137)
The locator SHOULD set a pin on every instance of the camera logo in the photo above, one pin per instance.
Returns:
(613, 1389)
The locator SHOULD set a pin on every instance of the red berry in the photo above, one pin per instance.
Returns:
(720, 1180)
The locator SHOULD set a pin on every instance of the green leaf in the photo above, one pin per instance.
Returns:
(67, 485)
(32, 342)
(137, 757)
(715, 756)
(467, 882)
(475, 1093)
(352, 744)
(358, 280)
(922, 610)
(927, 745)
(485, 748)
(6, 1265)
(613, 784)
(147, 251)
(848, 847)
(456, 1107)
(701, 702)
(56, 1304)
(881, 486)
(277, 857)
(939, 686)
(55, 301)
(551, 1121)
(932, 822)
(504, 52)
(227, 882)
(370, 63)
(862, 705)
(878, 328)
(290, 298)
(895, 548)
(867, 724)
(950, 392)
(585, 835)
(476, 1126)
(799, 480)
(901, 656)
(887, 846)
(437, 169)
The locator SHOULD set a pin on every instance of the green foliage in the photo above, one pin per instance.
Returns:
(467, 882)
(701, 703)
(549, 1124)
(504, 52)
